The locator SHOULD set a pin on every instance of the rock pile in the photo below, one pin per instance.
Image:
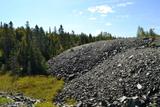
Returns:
(79, 60)
(120, 73)
(18, 100)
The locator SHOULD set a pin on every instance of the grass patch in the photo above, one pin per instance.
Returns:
(45, 104)
(4, 100)
(6, 83)
(71, 102)
(40, 87)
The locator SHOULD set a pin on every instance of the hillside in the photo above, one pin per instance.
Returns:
(82, 59)
(121, 72)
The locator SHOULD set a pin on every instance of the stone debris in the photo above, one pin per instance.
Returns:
(139, 86)
(19, 100)
(122, 98)
(82, 59)
(121, 73)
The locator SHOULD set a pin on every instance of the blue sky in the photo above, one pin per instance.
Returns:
(119, 17)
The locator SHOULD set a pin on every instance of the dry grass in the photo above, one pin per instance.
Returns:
(6, 83)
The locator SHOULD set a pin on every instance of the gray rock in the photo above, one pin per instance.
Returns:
(19, 100)
(108, 70)
(87, 56)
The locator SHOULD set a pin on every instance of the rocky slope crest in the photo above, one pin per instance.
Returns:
(116, 73)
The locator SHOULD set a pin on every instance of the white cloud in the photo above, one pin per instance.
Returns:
(108, 24)
(102, 9)
(124, 4)
(92, 18)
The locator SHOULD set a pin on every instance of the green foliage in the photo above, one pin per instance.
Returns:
(104, 36)
(145, 34)
(25, 50)
(140, 32)
(71, 102)
(4, 100)
(1, 53)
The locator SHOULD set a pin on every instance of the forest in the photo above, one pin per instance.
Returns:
(25, 50)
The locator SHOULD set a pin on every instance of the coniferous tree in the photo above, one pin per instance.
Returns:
(61, 30)
(152, 33)
(140, 32)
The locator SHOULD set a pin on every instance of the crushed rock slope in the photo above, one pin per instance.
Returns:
(118, 73)
(81, 59)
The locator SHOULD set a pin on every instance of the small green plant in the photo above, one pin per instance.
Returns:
(71, 102)
(4, 100)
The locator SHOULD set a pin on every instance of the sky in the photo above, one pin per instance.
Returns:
(118, 17)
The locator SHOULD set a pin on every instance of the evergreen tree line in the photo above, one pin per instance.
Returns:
(25, 50)
(146, 34)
